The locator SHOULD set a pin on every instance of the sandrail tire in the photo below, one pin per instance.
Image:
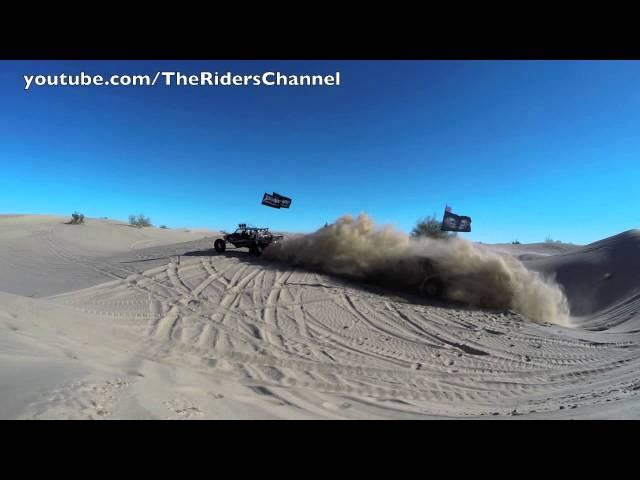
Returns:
(433, 288)
(220, 245)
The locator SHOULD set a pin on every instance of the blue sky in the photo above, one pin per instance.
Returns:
(526, 148)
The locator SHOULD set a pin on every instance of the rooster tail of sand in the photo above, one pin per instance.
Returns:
(357, 248)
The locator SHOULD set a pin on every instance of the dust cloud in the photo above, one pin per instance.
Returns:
(472, 274)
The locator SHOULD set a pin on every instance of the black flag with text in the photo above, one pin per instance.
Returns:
(276, 200)
(455, 223)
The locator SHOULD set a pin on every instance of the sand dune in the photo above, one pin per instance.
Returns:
(41, 255)
(601, 281)
(532, 251)
(169, 329)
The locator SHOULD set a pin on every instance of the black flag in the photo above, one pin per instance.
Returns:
(270, 201)
(455, 223)
(285, 202)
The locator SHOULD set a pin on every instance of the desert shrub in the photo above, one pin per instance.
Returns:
(430, 227)
(76, 219)
(139, 221)
(515, 242)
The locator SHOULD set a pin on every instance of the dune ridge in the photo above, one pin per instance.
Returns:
(601, 280)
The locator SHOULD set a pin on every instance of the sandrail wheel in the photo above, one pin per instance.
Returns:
(220, 245)
(433, 288)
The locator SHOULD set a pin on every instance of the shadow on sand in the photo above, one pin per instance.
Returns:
(211, 252)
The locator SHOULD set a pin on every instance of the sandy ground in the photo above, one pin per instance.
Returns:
(106, 321)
